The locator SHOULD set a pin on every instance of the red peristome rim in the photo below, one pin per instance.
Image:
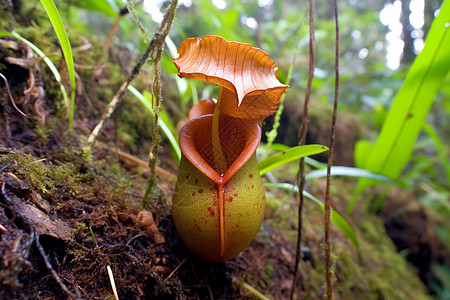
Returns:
(195, 129)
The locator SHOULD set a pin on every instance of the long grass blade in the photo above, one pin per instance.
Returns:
(55, 19)
(47, 60)
(440, 148)
(294, 153)
(168, 133)
(413, 101)
(336, 218)
(354, 172)
(308, 160)
(107, 7)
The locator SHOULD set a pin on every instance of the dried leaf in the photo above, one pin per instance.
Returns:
(146, 221)
(248, 75)
(42, 222)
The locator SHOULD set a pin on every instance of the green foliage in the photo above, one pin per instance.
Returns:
(407, 114)
(336, 218)
(442, 286)
(354, 172)
(273, 161)
(308, 160)
(367, 89)
(162, 121)
(58, 26)
(224, 23)
(102, 6)
(406, 117)
(441, 149)
(187, 89)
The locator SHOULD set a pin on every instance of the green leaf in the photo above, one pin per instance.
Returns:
(102, 6)
(308, 160)
(336, 218)
(412, 103)
(166, 130)
(441, 149)
(279, 147)
(363, 150)
(168, 65)
(182, 85)
(407, 114)
(55, 19)
(354, 172)
(289, 155)
(315, 163)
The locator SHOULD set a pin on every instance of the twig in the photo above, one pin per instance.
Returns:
(302, 140)
(111, 35)
(130, 159)
(158, 39)
(251, 290)
(328, 263)
(162, 33)
(50, 268)
(176, 269)
(130, 8)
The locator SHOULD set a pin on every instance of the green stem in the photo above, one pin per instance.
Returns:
(219, 158)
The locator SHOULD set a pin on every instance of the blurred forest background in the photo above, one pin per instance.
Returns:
(379, 42)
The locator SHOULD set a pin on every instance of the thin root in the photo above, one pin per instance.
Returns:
(54, 273)
(11, 97)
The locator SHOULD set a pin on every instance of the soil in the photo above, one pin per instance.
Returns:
(65, 220)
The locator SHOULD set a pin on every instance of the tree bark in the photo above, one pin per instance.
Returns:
(408, 48)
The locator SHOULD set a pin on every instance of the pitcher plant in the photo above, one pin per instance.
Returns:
(219, 202)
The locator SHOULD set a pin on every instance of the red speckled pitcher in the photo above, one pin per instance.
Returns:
(219, 201)
(217, 216)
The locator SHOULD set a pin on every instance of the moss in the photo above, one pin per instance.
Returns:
(389, 275)
(377, 272)
(55, 182)
(272, 203)
(248, 277)
(78, 193)
(269, 270)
